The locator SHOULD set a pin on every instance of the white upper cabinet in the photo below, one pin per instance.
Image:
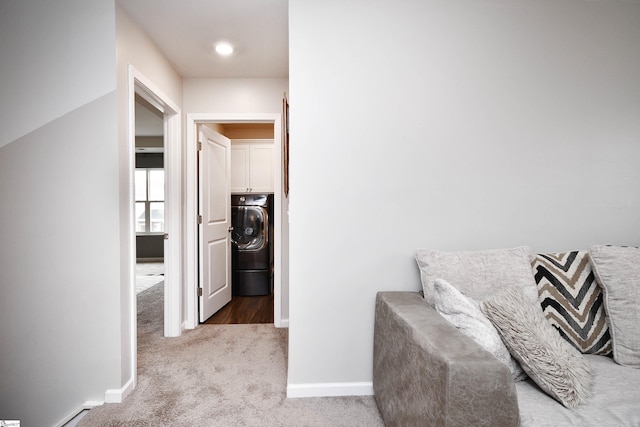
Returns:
(252, 166)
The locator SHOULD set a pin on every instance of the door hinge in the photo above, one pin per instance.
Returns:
(166, 236)
(199, 292)
(199, 146)
(199, 219)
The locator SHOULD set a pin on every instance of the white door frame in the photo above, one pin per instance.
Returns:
(141, 85)
(191, 212)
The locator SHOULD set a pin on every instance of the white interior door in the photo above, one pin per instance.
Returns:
(215, 209)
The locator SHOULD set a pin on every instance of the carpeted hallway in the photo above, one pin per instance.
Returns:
(219, 375)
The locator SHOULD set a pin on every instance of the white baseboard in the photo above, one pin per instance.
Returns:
(86, 405)
(329, 389)
(117, 395)
(110, 396)
(284, 323)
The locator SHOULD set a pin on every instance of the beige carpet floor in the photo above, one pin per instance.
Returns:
(219, 375)
(148, 274)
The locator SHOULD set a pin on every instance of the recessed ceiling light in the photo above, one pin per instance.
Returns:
(224, 48)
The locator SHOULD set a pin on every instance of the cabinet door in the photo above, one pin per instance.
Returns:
(239, 168)
(261, 168)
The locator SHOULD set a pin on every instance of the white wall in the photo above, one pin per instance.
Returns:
(243, 96)
(33, 35)
(447, 124)
(59, 250)
(134, 48)
(229, 95)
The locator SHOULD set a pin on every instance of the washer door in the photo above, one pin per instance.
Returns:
(249, 227)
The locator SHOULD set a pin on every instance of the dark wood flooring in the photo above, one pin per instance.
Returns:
(242, 310)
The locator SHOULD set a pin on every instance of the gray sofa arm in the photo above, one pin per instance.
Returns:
(427, 373)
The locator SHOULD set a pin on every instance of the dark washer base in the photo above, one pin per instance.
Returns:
(251, 282)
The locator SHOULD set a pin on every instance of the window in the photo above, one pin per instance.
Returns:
(149, 200)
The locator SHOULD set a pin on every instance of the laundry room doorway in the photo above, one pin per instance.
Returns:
(231, 125)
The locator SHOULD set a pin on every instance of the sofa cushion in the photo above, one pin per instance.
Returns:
(618, 271)
(465, 314)
(572, 300)
(550, 361)
(477, 274)
(614, 399)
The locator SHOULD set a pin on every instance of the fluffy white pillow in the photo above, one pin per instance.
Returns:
(465, 314)
(550, 361)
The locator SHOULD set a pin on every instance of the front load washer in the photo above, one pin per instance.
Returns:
(252, 244)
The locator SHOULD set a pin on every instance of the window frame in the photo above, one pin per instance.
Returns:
(147, 203)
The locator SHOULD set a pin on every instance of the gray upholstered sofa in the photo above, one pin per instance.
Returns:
(427, 372)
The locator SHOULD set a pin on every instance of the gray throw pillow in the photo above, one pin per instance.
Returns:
(550, 361)
(464, 313)
(618, 272)
(478, 274)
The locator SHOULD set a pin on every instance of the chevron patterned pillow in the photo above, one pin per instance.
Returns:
(572, 300)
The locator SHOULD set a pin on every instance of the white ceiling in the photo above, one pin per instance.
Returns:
(186, 30)
(148, 119)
